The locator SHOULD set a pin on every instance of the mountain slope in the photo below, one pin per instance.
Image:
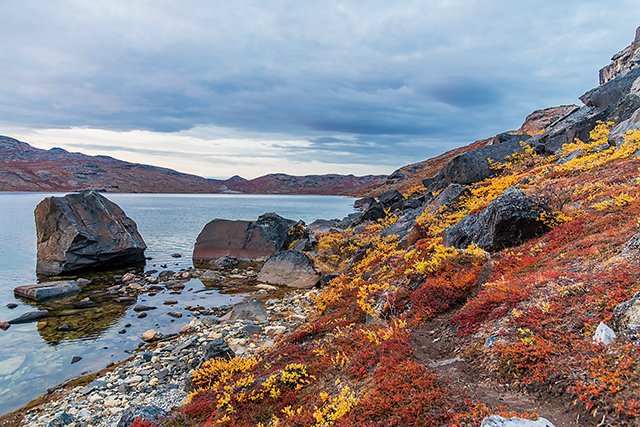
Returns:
(26, 168)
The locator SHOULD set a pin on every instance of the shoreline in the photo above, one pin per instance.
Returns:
(157, 373)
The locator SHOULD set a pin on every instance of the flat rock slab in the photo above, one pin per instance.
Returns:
(289, 268)
(47, 290)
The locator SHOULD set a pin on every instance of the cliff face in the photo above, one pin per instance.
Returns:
(26, 168)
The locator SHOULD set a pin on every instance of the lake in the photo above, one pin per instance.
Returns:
(32, 361)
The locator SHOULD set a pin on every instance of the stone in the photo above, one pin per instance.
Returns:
(80, 281)
(242, 239)
(604, 334)
(251, 329)
(611, 92)
(359, 205)
(32, 316)
(449, 198)
(320, 226)
(63, 328)
(627, 313)
(85, 303)
(75, 359)
(84, 231)
(435, 183)
(325, 279)
(498, 421)
(474, 166)
(4, 325)
(11, 305)
(289, 268)
(275, 330)
(391, 197)
(139, 308)
(211, 275)
(374, 213)
(43, 291)
(151, 335)
(618, 133)
(252, 310)
(175, 314)
(215, 349)
(149, 413)
(62, 419)
(142, 315)
(170, 302)
(509, 220)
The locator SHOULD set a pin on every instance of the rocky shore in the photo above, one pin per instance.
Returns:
(153, 380)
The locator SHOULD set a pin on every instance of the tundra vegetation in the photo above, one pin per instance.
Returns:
(353, 364)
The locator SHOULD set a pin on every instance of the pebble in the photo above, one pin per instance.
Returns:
(157, 376)
(170, 302)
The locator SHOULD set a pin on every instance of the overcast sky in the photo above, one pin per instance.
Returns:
(219, 88)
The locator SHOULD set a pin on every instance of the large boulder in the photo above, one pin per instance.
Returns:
(244, 239)
(84, 231)
(474, 166)
(289, 268)
(509, 220)
(43, 291)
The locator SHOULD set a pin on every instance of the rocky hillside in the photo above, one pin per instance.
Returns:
(26, 168)
(505, 285)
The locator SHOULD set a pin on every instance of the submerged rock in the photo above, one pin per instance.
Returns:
(83, 231)
(32, 316)
(43, 291)
(289, 268)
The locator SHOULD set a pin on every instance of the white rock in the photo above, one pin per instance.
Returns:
(275, 330)
(133, 380)
(498, 421)
(604, 334)
(95, 398)
(111, 402)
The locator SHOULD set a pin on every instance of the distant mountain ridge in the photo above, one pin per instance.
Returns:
(26, 168)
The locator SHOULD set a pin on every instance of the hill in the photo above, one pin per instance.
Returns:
(26, 168)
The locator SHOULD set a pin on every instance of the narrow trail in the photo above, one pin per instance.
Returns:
(436, 352)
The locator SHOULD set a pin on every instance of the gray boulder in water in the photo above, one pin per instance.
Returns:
(84, 231)
(246, 239)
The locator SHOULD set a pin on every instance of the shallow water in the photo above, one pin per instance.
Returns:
(32, 361)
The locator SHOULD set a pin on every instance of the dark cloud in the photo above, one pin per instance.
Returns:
(382, 82)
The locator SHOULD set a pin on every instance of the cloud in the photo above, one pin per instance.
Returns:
(381, 83)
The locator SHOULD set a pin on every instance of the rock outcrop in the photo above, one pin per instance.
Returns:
(627, 314)
(623, 61)
(499, 421)
(43, 291)
(84, 231)
(509, 220)
(475, 166)
(289, 268)
(245, 239)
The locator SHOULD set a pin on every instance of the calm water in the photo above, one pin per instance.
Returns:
(32, 360)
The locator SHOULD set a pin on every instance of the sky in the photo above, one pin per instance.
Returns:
(221, 88)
